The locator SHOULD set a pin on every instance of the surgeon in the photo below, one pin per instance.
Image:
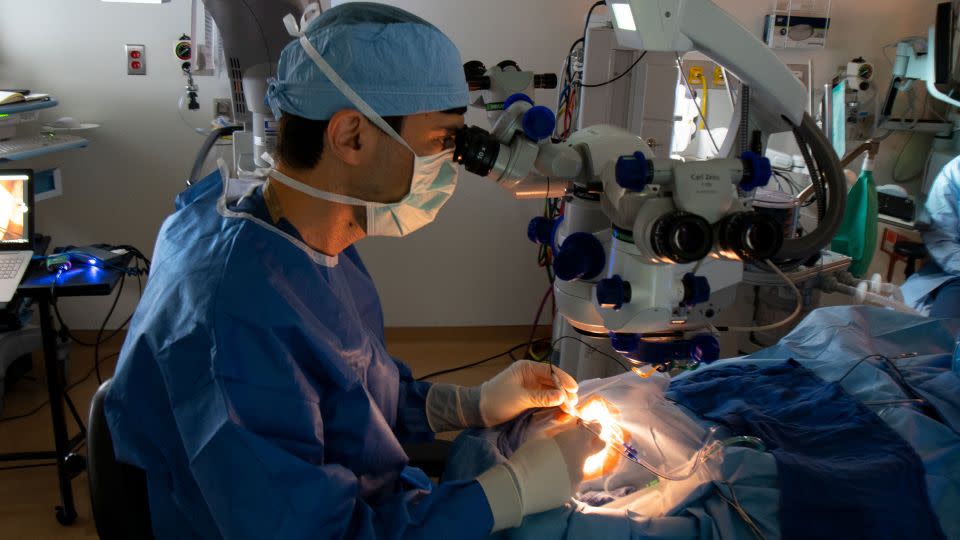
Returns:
(254, 387)
(935, 289)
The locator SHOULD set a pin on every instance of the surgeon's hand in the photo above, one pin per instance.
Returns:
(541, 475)
(525, 385)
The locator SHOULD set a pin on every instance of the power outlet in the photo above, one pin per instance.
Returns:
(136, 59)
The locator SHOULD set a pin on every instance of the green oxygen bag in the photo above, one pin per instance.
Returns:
(857, 236)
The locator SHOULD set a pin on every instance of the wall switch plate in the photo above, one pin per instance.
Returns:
(136, 59)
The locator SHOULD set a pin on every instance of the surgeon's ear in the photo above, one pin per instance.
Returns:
(348, 136)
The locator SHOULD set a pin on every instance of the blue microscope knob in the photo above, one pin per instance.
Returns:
(696, 290)
(539, 230)
(580, 257)
(633, 172)
(515, 98)
(757, 171)
(539, 122)
(613, 293)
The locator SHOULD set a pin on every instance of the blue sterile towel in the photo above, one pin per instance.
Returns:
(843, 472)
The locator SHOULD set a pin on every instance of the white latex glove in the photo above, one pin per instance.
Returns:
(525, 385)
(541, 475)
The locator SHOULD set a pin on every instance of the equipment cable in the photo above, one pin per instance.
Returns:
(618, 77)
(507, 352)
(788, 320)
(594, 349)
(73, 385)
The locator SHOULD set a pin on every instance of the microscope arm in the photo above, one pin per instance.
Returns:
(253, 36)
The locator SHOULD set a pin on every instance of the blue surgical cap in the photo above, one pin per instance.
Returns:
(397, 62)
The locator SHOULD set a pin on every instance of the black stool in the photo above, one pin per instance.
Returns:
(118, 491)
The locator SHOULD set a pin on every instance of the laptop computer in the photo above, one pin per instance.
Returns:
(16, 228)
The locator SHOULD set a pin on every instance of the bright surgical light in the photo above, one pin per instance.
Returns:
(137, 1)
(623, 16)
(598, 410)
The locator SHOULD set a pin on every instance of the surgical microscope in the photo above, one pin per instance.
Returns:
(649, 250)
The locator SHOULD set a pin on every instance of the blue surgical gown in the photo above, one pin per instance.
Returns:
(255, 390)
(926, 290)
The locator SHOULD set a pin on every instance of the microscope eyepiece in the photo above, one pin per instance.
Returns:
(476, 150)
(752, 236)
(682, 237)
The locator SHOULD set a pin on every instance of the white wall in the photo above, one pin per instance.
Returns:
(473, 267)
(119, 189)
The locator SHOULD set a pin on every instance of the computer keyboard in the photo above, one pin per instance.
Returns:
(31, 145)
(10, 264)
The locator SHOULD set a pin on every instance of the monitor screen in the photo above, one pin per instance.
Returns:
(14, 205)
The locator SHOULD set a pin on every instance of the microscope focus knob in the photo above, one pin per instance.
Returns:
(542, 230)
(705, 348)
(696, 290)
(757, 171)
(633, 172)
(538, 123)
(613, 293)
(519, 96)
(580, 257)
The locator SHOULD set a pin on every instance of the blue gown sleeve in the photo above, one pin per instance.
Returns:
(943, 238)
(254, 438)
(412, 424)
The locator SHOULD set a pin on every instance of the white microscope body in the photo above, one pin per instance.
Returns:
(649, 251)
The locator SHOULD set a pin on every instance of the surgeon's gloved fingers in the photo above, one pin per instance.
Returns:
(571, 401)
(547, 398)
(524, 385)
(577, 444)
(546, 374)
(503, 397)
(568, 383)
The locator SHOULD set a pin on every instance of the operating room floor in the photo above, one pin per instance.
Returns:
(28, 496)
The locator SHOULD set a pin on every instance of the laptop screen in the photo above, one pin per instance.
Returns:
(14, 207)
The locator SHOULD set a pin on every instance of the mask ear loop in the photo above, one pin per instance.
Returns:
(293, 28)
(311, 12)
(348, 92)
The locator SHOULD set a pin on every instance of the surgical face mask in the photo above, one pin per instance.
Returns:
(433, 181)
